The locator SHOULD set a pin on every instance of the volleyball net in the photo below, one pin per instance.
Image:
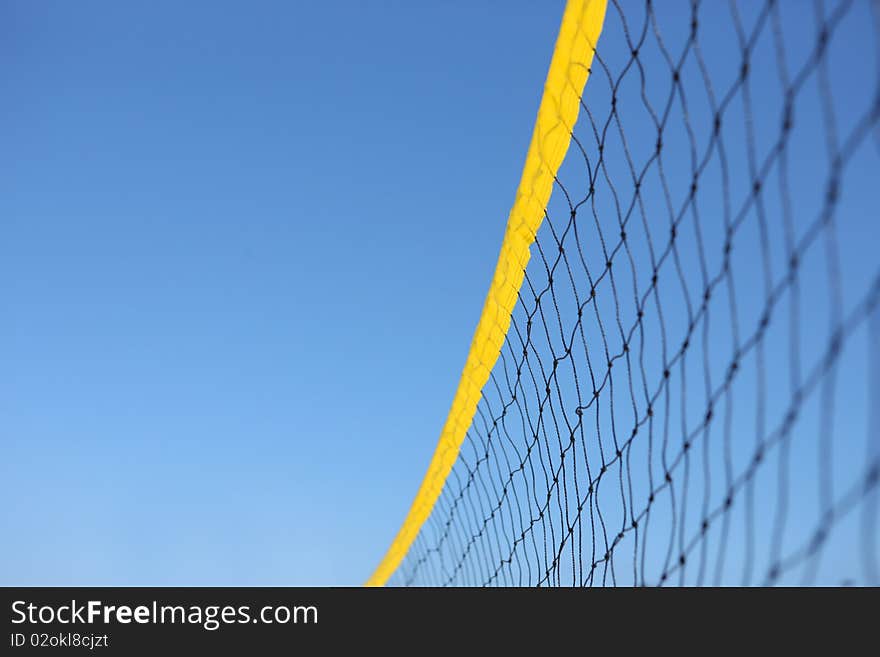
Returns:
(676, 375)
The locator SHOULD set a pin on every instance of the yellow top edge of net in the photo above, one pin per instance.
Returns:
(557, 115)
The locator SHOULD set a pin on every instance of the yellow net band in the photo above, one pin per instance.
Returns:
(557, 115)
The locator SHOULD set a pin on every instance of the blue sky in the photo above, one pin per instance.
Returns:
(243, 249)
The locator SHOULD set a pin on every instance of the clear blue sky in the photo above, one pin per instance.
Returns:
(243, 248)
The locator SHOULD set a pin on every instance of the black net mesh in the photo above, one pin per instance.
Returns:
(689, 389)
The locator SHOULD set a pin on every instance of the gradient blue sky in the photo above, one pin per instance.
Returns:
(243, 249)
